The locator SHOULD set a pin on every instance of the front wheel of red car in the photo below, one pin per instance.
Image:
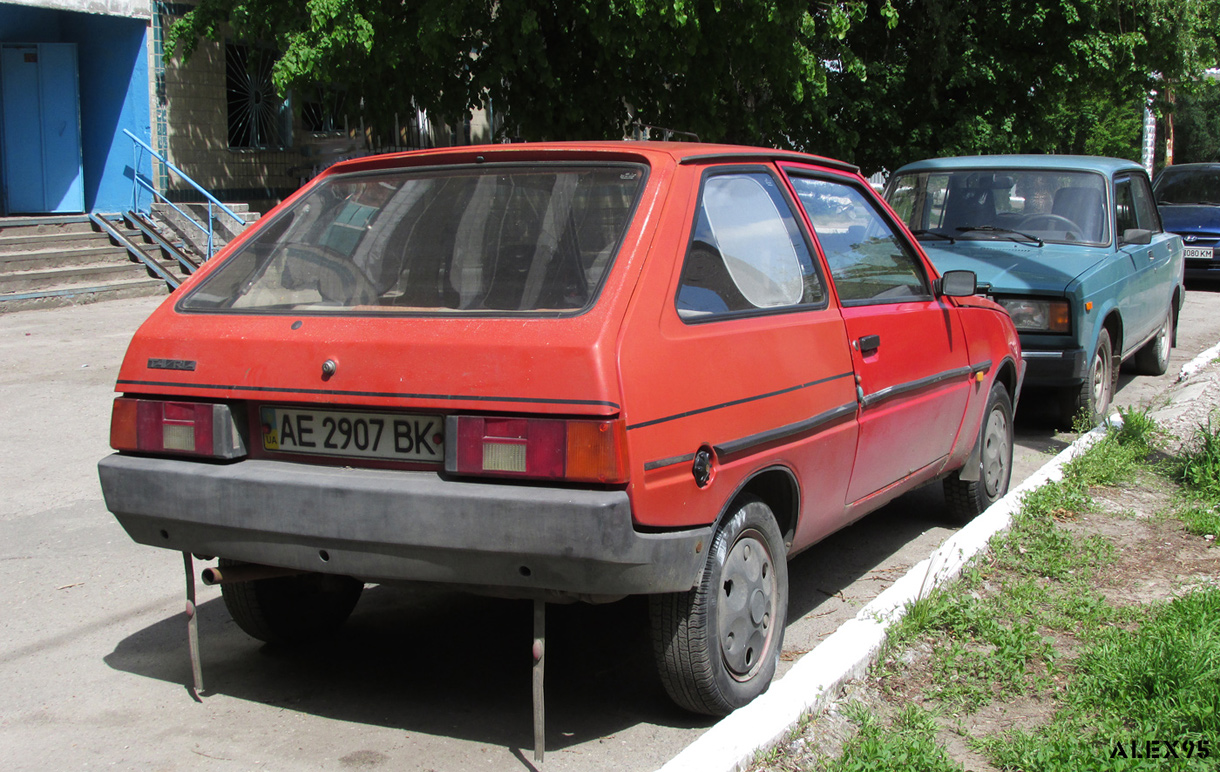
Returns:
(967, 498)
(290, 609)
(717, 645)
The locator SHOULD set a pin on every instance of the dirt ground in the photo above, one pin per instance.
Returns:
(1155, 559)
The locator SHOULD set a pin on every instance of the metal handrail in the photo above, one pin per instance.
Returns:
(139, 181)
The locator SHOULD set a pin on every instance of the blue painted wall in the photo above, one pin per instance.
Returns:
(113, 61)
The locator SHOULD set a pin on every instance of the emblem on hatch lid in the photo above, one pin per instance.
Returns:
(171, 364)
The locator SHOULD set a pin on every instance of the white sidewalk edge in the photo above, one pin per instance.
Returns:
(1198, 363)
(815, 680)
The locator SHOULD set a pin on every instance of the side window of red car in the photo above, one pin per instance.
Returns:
(746, 253)
(868, 261)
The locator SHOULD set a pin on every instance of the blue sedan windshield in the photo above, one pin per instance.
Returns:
(1038, 205)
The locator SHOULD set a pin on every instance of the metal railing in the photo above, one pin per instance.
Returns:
(144, 181)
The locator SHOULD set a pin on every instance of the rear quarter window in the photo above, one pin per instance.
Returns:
(746, 253)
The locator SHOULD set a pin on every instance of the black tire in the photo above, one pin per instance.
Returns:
(717, 645)
(290, 609)
(1092, 398)
(966, 499)
(1153, 358)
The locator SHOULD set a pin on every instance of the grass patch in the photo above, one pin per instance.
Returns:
(1143, 674)
(1201, 518)
(907, 743)
(1199, 473)
(981, 652)
(1121, 451)
(1160, 683)
(1200, 468)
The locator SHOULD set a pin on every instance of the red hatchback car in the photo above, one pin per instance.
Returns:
(581, 370)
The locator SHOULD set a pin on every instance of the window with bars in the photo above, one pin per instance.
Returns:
(257, 117)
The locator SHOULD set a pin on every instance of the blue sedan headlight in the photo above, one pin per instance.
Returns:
(1038, 314)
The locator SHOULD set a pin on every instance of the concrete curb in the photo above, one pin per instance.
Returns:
(1198, 363)
(815, 680)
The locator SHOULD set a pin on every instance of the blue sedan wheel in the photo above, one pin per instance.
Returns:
(1091, 401)
(1153, 358)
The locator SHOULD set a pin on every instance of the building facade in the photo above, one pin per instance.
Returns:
(217, 117)
(76, 74)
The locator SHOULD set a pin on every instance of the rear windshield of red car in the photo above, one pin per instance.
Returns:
(498, 240)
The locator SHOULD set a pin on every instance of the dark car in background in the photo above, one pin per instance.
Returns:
(1188, 197)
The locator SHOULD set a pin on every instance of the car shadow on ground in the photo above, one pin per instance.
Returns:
(444, 663)
(433, 662)
(832, 565)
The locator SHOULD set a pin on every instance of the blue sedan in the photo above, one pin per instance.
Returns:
(1188, 196)
(1072, 246)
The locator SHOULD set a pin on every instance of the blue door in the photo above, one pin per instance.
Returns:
(41, 113)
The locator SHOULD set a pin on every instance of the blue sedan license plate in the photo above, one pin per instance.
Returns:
(388, 436)
(1197, 253)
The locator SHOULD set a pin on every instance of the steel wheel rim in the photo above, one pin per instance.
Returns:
(1101, 381)
(748, 594)
(997, 454)
(1162, 342)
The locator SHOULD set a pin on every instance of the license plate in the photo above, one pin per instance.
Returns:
(1197, 253)
(352, 434)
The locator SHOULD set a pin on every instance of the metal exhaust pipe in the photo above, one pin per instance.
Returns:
(245, 573)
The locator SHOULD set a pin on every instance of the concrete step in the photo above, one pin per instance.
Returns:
(41, 241)
(48, 225)
(76, 294)
(176, 227)
(62, 257)
(83, 275)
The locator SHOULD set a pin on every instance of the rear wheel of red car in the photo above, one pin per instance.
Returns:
(290, 609)
(967, 498)
(718, 644)
(1091, 400)
(1153, 358)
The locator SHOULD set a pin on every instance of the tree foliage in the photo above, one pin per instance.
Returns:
(879, 82)
(1197, 124)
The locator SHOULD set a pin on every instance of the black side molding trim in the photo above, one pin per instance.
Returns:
(782, 432)
(651, 465)
(741, 401)
(902, 388)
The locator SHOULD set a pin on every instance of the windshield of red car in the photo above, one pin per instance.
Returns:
(488, 239)
(1049, 205)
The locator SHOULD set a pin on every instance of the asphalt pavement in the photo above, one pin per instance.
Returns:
(93, 662)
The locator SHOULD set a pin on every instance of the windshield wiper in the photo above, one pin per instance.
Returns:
(1188, 203)
(994, 229)
(934, 233)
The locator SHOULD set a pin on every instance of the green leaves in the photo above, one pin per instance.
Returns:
(879, 83)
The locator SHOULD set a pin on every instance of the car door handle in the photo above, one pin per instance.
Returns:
(868, 344)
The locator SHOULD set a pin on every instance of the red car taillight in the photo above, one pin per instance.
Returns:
(190, 428)
(541, 448)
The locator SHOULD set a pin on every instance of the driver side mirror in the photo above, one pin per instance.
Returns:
(957, 284)
(1137, 236)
